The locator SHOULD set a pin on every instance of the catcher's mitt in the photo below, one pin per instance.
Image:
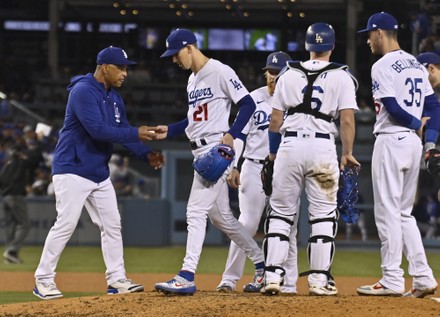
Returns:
(266, 176)
(348, 194)
(214, 163)
(432, 161)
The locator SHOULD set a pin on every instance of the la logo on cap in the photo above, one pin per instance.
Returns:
(274, 59)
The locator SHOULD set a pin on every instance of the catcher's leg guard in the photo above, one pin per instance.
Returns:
(276, 245)
(321, 249)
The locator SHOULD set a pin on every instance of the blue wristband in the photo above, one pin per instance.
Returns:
(274, 141)
(431, 135)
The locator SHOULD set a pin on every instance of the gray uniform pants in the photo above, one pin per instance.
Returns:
(16, 222)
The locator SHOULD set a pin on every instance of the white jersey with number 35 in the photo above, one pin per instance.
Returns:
(210, 94)
(398, 74)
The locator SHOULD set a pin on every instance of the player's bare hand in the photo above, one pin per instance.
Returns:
(420, 131)
(234, 178)
(348, 160)
(161, 132)
(147, 133)
(156, 159)
(228, 139)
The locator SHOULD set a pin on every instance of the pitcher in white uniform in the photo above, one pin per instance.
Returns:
(212, 88)
(314, 93)
(400, 89)
(251, 196)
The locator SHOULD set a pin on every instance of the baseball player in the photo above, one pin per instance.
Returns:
(95, 119)
(251, 197)
(212, 87)
(400, 89)
(432, 63)
(314, 93)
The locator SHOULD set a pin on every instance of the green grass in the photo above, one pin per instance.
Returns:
(362, 263)
(169, 260)
(26, 297)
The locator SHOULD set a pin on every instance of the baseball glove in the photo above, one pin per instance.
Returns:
(266, 176)
(156, 159)
(348, 194)
(214, 163)
(432, 161)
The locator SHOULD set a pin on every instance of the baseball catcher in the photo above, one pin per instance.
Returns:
(266, 176)
(432, 161)
(348, 194)
(214, 163)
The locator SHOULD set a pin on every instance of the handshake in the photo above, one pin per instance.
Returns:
(147, 133)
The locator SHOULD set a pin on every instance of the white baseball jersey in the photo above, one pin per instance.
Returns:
(210, 92)
(210, 95)
(257, 142)
(398, 74)
(307, 160)
(251, 196)
(340, 93)
(395, 167)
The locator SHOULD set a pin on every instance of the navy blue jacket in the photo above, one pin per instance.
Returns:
(95, 119)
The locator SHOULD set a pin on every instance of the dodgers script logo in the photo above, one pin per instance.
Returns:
(199, 95)
(261, 119)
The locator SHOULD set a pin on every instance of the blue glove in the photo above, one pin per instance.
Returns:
(212, 165)
(348, 193)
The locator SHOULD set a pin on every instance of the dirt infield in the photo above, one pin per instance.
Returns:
(205, 302)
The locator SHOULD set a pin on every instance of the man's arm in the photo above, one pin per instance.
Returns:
(276, 120)
(347, 133)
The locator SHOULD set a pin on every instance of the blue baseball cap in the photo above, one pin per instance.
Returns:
(178, 40)
(113, 55)
(277, 61)
(428, 58)
(381, 20)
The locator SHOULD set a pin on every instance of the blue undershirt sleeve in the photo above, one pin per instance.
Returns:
(274, 141)
(177, 128)
(247, 108)
(432, 109)
(400, 115)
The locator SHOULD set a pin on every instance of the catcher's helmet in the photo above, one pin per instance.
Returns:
(320, 37)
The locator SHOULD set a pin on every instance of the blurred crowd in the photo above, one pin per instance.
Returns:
(38, 149)
(34, 147)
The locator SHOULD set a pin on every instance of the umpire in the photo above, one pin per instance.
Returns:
(13, 186)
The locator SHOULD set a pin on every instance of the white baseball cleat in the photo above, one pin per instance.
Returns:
(272, 288)
(377, 290)
(420, 293)
(124, 286)
(47, 290)
(225, 288)
(327, 290)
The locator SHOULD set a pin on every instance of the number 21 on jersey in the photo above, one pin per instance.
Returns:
(201, 113)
